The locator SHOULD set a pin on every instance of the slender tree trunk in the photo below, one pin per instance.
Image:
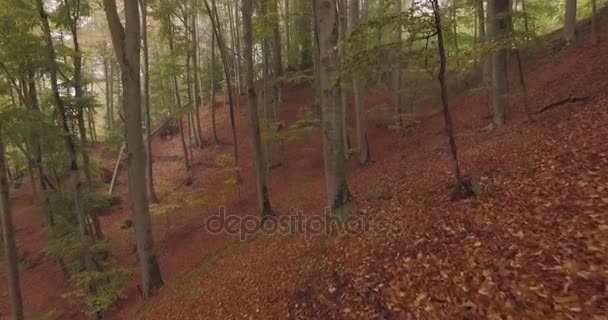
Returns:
(195, 73)
(327, 29)
(79, 95)
(343, 14)
(498, 11)
(570, 24)
(108, 92)
(363, 148)
(111, 96)
(396, 74)
(455, 23)
(291, 64)
(486, 71)
(126, 42)
(178, 103)
(254, 122)
(456, 193)
(277, 57)
(10, 246)
(146, 103)
(305, 32)
(213, 15)
(594, 33)
(76, 184)
(212, 103)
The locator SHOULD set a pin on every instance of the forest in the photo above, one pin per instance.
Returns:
(303, 159)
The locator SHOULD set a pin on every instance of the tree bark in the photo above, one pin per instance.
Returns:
(76, 184)
(456, 193)
(254, 122)
(498, 30)
(178, 106)
(343, 24)
(212, 102)
(358, 88)
(126, 42)
(146, 103)
(570, 22)
(594, 33)
(333, 146)
(486, 69)
(213, 16)
(396, 74)
(10, 246)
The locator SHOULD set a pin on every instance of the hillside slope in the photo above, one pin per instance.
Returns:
(533, 246)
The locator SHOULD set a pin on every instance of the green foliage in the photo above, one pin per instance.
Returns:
(99, 201)
(270, 131)
(108, 287)
(305, 124)
(378, 113)
(228, 165)
(114, 139)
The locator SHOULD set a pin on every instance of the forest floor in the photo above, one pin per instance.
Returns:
(534, 245)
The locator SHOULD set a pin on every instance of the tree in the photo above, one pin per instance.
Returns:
(486, 69)
(358, 88)
(594, 34)
(498, 30)
(461, 188)
(343, 24)
(84, 227)
(146, 102)
(216, 26)
(333, 147)
(125, 41)
(570, 22)
(396, 74)
(254, 122)
(10, 247)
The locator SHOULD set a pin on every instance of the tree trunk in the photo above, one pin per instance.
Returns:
(212, 103)
(486, 69)
(213, 15)
(111, 96)
(396, 74)
(197, 100)
(570, 22)
(79, 95)
(178, 106)
(343, 23)
(456, 193)
(126, 42)
(83, 225)
(146, 103)
(594, 34)
(10, 246)
(455, 23)
(254, 122)
(358, 88)
(498, 30)
(333, 146)
(277, 57)
(108, 91)
(305, 32)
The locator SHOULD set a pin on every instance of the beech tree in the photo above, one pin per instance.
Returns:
(498, 30)
(126, 44)
(326, 20)
(8, 240)
(362, 146)
(254, 122)
(570, 22)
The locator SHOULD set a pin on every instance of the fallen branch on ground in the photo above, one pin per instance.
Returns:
(570, 99)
